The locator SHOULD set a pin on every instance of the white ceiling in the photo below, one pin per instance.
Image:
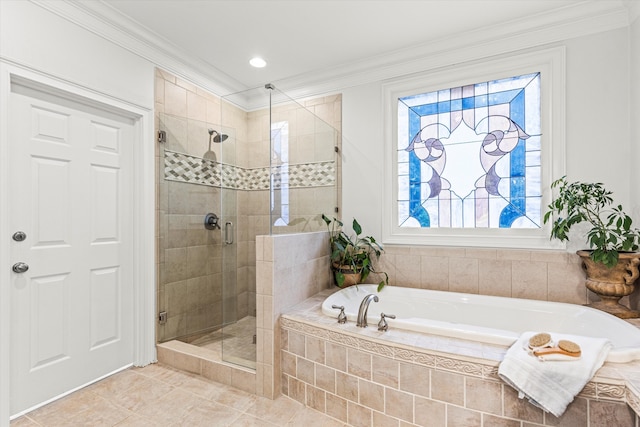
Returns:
(309, 41)
(299, 38)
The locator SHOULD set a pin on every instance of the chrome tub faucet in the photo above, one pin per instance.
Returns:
(364, 307)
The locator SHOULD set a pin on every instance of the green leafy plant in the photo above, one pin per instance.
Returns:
(355, 253)
(611, 230)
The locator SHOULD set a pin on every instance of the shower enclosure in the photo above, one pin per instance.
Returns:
(261, 164)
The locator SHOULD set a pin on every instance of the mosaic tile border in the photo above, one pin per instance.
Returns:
(196, 170)
(594, 389)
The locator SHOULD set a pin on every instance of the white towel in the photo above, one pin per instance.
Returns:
(552, 384)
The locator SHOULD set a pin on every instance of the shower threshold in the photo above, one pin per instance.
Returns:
(233, 344)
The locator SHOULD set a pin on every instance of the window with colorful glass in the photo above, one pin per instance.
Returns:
(470, 156)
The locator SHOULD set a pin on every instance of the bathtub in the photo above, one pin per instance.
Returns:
(486, 319)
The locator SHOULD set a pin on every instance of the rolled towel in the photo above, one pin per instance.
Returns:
(552, 384)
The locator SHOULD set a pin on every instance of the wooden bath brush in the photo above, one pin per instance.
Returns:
(542, 339)
(564, 347)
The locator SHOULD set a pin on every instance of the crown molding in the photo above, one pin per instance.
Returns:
(581, 19)
(590, 17)
(106, 22)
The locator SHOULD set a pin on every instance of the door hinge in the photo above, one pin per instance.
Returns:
(162, 136)
(162, 317)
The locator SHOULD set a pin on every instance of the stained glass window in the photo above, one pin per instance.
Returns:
(470, 156)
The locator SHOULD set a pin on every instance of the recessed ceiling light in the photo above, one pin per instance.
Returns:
(258, 62)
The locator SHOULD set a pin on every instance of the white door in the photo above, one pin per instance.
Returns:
(71, 196)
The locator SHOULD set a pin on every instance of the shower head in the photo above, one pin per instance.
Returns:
(217, 137)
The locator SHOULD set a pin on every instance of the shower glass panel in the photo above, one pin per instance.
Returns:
(265, 165)
(190, 256)
(303, 165)
(285, 176)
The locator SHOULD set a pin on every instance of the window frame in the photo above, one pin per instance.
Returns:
(550, 63)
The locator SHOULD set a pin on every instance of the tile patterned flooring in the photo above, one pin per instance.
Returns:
(158, 395)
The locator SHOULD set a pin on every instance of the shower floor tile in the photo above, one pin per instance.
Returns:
(233, 343)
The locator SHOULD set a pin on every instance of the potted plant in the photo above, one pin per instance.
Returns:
(352, 256)
(611, 264)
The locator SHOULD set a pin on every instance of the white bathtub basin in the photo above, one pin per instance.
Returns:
(487, 319)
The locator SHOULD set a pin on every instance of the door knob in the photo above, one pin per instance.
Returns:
(19, 236)
(20, 267)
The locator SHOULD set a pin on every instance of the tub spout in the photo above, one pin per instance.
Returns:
(364, 307)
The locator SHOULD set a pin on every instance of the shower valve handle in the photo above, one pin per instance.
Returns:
(211, 221)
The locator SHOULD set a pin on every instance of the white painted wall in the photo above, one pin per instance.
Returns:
(597, 129)
(37, 38)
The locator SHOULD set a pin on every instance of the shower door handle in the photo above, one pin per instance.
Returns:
(228, 232)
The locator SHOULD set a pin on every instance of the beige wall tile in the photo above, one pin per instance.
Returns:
(175, 100)
(514, 254)
(288, 363)
(197, 108)
(483, 395)
(315, 349)
(603, 413)
(429, 412)
(447, 387)
(382, 420)
(575, 415)
(463, 275)
(415, 379)
(336, 407)
(358, 415)
(398, 404)
(336, 356)
(493, 421)
(297, 390)
(325, 378)
(359, 363)
(305, 370)
(347, 386)
(529, 280)
(494, 278)
(407, 271)
(566, 283)
(434, 272)
(385, 371)
(316, 398)
(371, 395)
(297, 343)
(460, 417)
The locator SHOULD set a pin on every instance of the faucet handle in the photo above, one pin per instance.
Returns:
(382, 324)
(342, 317)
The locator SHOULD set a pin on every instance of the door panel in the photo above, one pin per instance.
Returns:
(72, 312)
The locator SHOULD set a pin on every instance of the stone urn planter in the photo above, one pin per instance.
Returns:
(611, 284)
